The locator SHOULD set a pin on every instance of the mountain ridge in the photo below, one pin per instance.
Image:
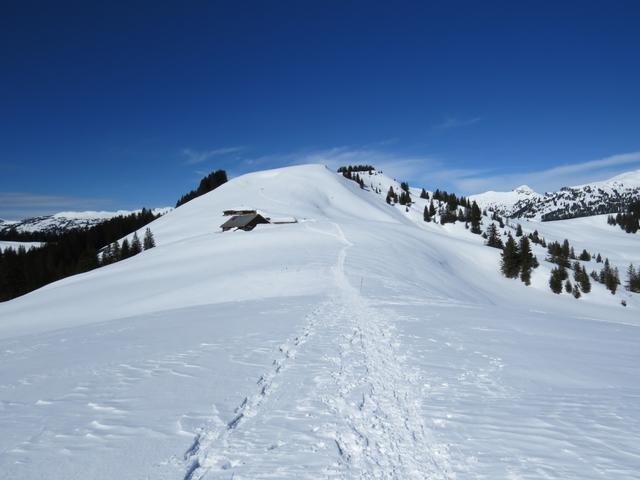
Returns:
(608, 196)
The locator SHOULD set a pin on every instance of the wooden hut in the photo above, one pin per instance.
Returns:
(245, 222)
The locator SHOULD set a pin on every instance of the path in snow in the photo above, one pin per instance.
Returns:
(339, 400)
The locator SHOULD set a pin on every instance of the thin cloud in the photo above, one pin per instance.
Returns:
(423, 170)
(19, 205)
(552, 178)
(453, 122)
(193, 156)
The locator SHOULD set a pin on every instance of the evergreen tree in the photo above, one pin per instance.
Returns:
(576, 292)
(519, 230)
(510, 265)
(585, 256)
(585, 283)
(208, 183)
(136, 246)
(405, 198)
(475, 218)
(555, 281)
(599, 258)
(424, 194)
(125, 249)
(568, 287)
(114, 252)
(610, 277)
(432, 209)
(581, 277)
(392, 197)
(149, 241)
(633, 279)
(105, 257)
(425, 215)
(527, 260)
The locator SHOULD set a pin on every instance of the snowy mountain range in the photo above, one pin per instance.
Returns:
(359, 342)
(597, 198)
(63, 221)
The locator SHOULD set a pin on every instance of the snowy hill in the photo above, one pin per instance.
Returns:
(359, 342)
(63, 221)
(597, 198)
(504, 202)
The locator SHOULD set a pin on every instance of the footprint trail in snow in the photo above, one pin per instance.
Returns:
(339, 399)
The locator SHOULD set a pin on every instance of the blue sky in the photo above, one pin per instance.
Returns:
(128, 104)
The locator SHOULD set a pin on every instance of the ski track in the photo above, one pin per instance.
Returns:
(371, 399)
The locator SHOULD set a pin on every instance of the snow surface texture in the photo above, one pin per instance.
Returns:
(608, 196)
(359, 342)
(68, 220)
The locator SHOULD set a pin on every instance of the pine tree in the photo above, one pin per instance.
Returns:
(526, 260)
(392, 197)
(631, 273)
(510, 266)
(581, 277)
(576, 292)
(566, 250)
(424, 194)
(425, 215)
(585, 256)
(493, 237)
(432, 209)
(116, 252)
(555, 281)
(475, 218)
(633, 279)
(585, 283)
(105, 257)
(149, 241)
(136, 246)
(610, 277)
(599, 258)
(125, 249)
(568, 287)
(519, 230)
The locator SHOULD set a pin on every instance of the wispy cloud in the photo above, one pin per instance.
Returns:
(19, 205)
(435, 172)
(552, 178)
(420, 169)
(194, 156)
(452, 122)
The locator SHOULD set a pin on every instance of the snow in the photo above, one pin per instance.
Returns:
(613, 195)
(69, 220)
(626, 180)
(504, 202)
(5, 245)
(359, 342)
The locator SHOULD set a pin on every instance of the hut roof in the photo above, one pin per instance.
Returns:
(242, 221)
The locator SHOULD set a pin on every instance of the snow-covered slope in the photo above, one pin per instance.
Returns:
(359, 342)
(503, 202)
(67, 220)
(597, 198)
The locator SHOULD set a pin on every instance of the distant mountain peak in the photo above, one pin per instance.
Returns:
(595, 198)
(67, 220)
(524, 189)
